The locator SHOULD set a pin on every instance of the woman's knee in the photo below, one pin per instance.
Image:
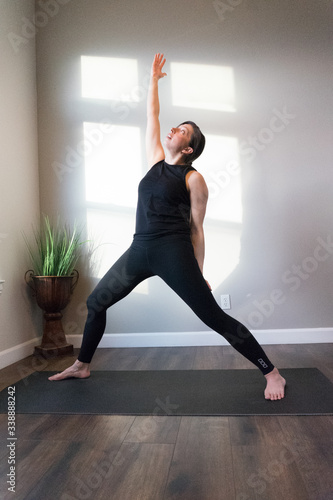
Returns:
(100, 299)
(95, 308)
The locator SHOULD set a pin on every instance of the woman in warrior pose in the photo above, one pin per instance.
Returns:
(169, 243)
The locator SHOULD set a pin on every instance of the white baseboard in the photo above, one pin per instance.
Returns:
(177, 339)
(209, 338)
(18, 352)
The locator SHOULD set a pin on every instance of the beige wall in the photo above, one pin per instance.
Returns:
(281, 275)
(19, 197)
(277, 262)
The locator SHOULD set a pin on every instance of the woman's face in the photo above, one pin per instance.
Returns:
(179, 138)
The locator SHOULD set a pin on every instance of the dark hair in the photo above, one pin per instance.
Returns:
(197, 142)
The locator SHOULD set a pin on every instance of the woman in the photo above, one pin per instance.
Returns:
(169, 243)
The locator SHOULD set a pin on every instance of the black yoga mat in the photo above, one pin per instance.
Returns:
(179, 392)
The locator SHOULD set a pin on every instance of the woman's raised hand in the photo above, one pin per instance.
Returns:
(157, 66)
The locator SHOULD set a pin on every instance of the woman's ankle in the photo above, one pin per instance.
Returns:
(80, 364)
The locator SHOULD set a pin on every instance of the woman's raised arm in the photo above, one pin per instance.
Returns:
(154, 148)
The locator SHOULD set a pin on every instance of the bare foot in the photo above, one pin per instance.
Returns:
(275, 385)
(77, 370)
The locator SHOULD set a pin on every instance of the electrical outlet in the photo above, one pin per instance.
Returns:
(225, 302)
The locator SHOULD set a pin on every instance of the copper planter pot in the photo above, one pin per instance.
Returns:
(53, 294)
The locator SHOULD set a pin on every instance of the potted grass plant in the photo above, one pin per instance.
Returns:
(54, 252)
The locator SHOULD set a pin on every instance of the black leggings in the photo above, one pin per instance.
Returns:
(172, 259)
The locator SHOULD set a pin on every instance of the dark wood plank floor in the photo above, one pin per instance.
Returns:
(81, 457)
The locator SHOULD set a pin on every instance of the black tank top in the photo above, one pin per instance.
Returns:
(164, 206)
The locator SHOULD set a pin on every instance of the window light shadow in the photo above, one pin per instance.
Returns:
(109, 179)
(203, 86)
(109, 78)
(220, 167)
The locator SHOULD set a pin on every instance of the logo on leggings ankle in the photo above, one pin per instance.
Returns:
(262, 362)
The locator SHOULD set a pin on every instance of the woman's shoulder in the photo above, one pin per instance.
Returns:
(195, 181)
(158, 163)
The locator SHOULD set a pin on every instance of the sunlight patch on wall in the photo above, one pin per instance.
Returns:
(113, 169)
(222, 253)
(110, 234)
(109, 78)
(203, 86)
(220, 167)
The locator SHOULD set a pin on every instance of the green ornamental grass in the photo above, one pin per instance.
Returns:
(56, 248)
